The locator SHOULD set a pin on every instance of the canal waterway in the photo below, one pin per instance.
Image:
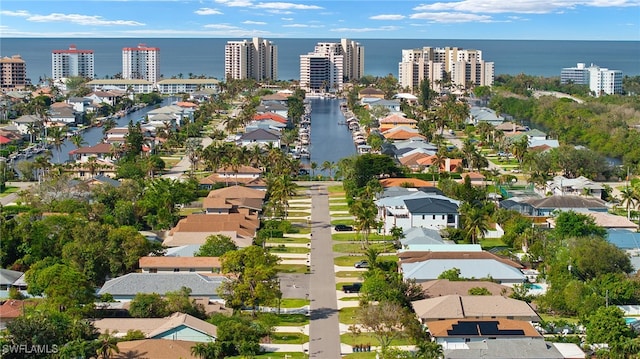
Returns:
(94, 135)
(330, 140)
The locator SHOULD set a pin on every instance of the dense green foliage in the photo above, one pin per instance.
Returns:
(215, 246)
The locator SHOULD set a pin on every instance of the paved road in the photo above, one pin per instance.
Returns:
(459, 143)
(178, 171)
(324, 330)
(11, 198)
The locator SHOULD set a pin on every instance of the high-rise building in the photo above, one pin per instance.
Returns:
(604, 81)
(465, 67)
(256, 59)
(72, 62)
(141, 62)
(13, 73)
(578, 75)
(330, 65)
(600, 80)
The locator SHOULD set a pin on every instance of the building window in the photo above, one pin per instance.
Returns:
(192, 269)
(433, 217)
(153, 270)
(176, 269)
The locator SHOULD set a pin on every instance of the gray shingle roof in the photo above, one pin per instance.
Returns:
(507, 348)
(133, 283)
(469, 268)
(430, 205)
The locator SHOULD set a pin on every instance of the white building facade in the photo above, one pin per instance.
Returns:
(72, 62)
(256, 59)
(330, 65)
(141, 63)
(601, 81)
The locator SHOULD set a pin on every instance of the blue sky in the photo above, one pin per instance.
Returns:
(458, 19)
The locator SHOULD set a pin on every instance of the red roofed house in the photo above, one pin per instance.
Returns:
(244, 175)
(395, 120)
(12, 309)
(270, 116)
(160, 264)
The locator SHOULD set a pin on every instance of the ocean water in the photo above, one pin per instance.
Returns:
(204, 56)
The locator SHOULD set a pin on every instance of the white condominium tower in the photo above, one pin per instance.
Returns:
(256, 59)
(72, 62)
(600, 80)
(465, 67)
(330, 65)
(141, 62)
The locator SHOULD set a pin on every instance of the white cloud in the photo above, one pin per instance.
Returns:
(249, 22)
(302, 26)
(286, 18)
(387, 17)
(82, 20)
(279, 12)
(235, 3)
(221, 27)
(286, 6)
(20, 13)
(208, 11)
(519, 6)
(450, 17)
(366, 29)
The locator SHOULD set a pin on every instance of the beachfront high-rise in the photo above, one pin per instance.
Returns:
(13, 73)
(256, 59)
(600, 80)
(141, 63)
(72, 62)
(465, 67)
(330, 65)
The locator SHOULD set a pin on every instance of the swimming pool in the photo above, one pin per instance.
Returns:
(630, 320)
(535, 286)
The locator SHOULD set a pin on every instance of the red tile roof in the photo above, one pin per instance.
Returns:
(270, 116)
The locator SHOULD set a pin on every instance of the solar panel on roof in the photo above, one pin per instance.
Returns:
(464, 328)
(488, 328)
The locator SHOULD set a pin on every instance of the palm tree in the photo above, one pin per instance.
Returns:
(193, 151)
(108, 345)
(365, 212)
(57, 135)
(520, 148)
(628, 199)
(429, 349)
(475, 222)
(78, 140)
(314, 166)
(328, 166)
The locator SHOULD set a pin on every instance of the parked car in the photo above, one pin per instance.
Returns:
(352, 288)
(361, 264)
(343, 228)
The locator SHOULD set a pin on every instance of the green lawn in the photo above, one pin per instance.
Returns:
(276, 355)
(338, 207)
(352, 236)
(348, 222)
(368, 338)
(365, 355)
(282, 249)
(288, 240)
(347, 261)
(489, 243)
(293, 320)
(357, 247)
(292, 268)
(555, 318)
(294, 302)
(339, 285)
(289, 338)
(9, 190)
(350, 299)
(298, 214)
(348, 315)
(336, 189)
(348, 274)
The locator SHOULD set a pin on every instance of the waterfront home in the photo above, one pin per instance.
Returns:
(81, 104)
(108, 97)
(25, 123)
(125, 288)
(102, 151)
(260, 137)
(271, 116)
(243, 175)
(402, 133)
(484, 114)
(370, 92)
(418, 209)
(273, 107)
(174, 114)
(63, 113)
(177, 326)
(394, 120)
(392, 105)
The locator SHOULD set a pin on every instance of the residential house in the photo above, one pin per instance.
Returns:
(125, 288)
(108, 97)
(370, 92)
(561, 186)
(472, 307)
(484, 114)
(402, 133)
(63, 113)
(102, 151)
(25, 123)
(419, 209)
(188, 250)
(178, 326)
(271, 116)
(404, 182)
(164, 264)
(8, 278)
(394, 120)
(12, 309)
(444, 287)
(93, 169)
(237, 192)
(81, 104)
(606, 220)
(173, 114)
(156, 349)
(392, 105)
(260, 137)
(243, 175)
(512, 347)
(267, 124)
(278, 108)
(195, 228)
(546, 206)
(419, 236)
(429, 265)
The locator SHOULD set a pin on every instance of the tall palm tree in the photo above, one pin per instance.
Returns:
(108, 345)
(314, 166)
(57, 136)
(520, 148)
(328, 166)
(475, 222)
(193, 148)
(78, 140)
(365, 211)
(628, 199)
